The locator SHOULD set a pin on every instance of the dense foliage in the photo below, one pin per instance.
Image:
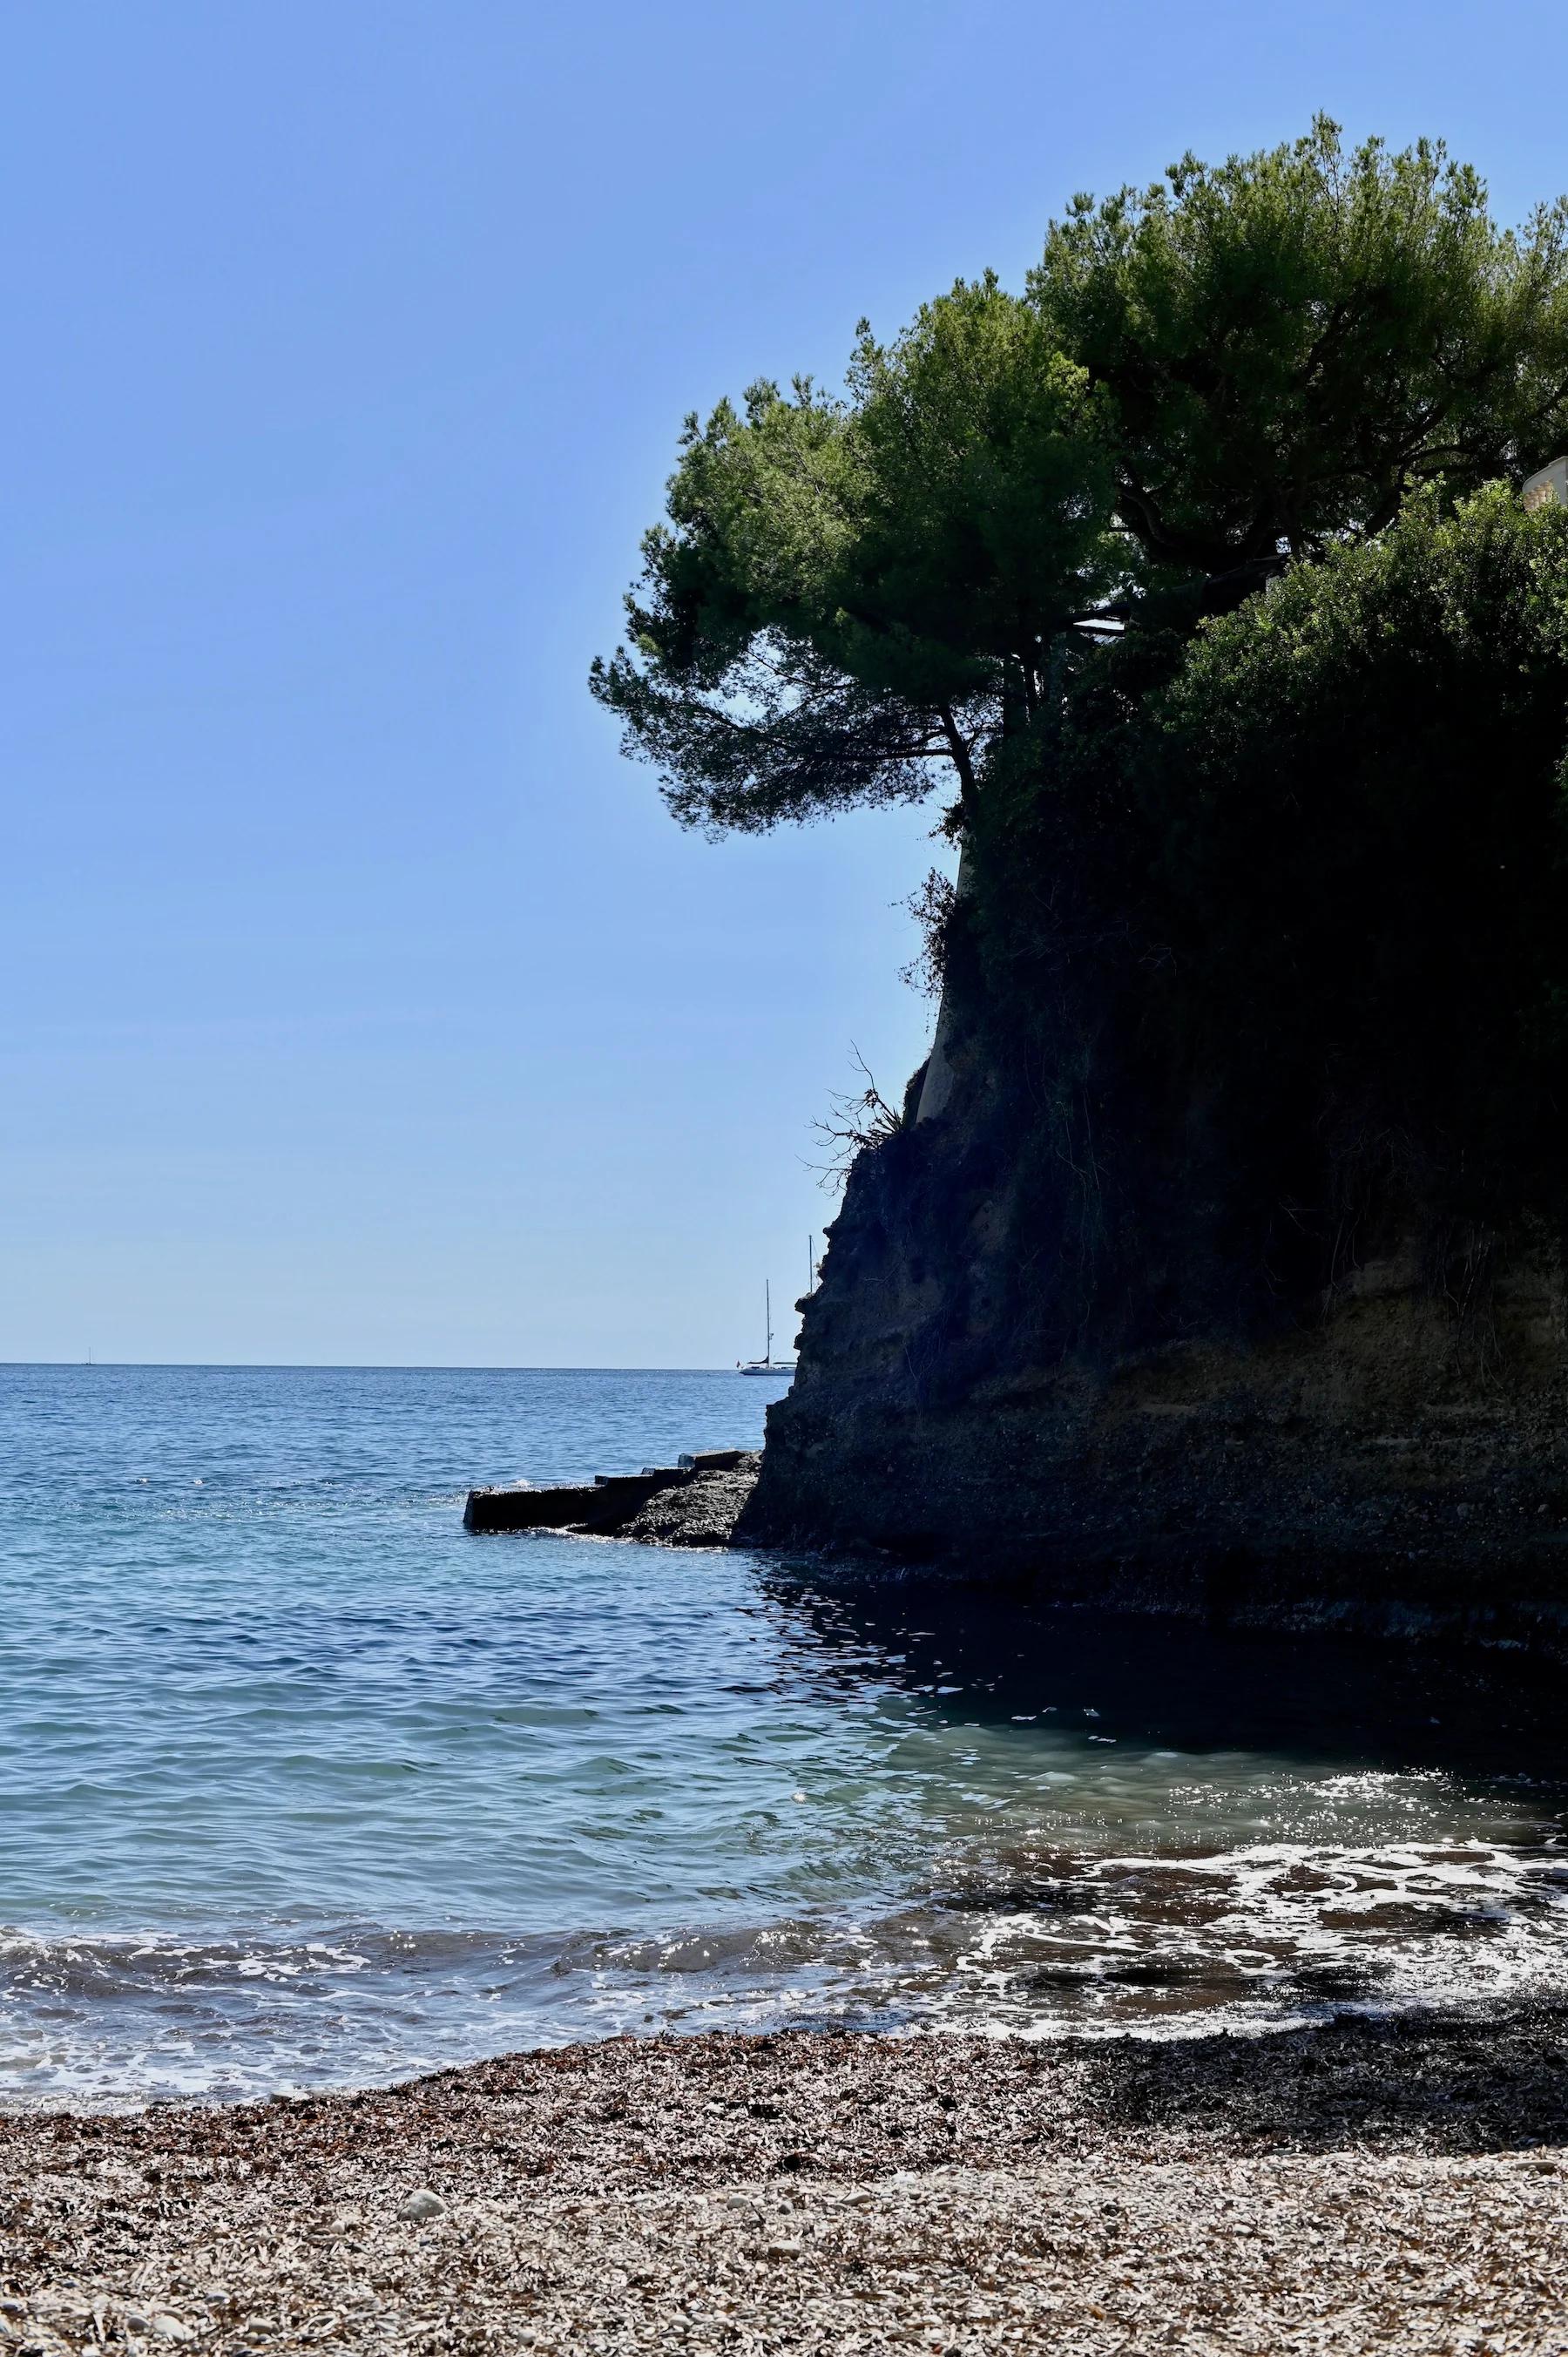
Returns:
(1296, 909)
(1233, 369)
(847, 591)
(1200, 568)
(1290, 343)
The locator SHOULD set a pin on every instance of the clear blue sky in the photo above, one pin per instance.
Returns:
(359, 1002)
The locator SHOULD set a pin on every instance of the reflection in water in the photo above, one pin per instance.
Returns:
(1284, 1824)
(303, 1786)
(990, 1657)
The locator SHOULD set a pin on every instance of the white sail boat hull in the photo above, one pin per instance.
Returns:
(768, 1364)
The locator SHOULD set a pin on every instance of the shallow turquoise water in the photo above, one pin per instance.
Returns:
(300, 1784)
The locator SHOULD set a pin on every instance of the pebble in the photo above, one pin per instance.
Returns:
(422, 2205)
(1326, 2192)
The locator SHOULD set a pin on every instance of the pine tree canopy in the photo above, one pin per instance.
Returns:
(1240, 368)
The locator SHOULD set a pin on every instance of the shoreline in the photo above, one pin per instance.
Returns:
(1401, 2180)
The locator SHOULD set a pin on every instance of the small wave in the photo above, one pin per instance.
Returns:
(1252, 1938)
(605, 1789)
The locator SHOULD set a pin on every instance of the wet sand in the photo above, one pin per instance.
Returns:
(1402, 2187)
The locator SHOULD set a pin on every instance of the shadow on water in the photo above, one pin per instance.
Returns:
(1235, 1819)
(984, 1657)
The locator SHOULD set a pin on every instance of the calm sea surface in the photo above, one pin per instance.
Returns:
(300, 1785)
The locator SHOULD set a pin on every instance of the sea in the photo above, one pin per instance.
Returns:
(302, 1786)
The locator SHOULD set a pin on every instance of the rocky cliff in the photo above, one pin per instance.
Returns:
(1374, 1438)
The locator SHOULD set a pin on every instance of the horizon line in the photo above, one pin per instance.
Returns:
(374, 1366)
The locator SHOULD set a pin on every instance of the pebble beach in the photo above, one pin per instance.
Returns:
(1399, 2184)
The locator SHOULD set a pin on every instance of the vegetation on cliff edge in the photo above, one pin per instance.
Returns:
(1199, 569)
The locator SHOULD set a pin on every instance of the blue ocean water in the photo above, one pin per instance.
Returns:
(300, 1784)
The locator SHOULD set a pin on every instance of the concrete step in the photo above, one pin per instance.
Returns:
(601, 1507)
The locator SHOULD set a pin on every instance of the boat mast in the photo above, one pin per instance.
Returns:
(767, 1297)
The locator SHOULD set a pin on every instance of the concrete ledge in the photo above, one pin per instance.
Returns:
(602, 1507)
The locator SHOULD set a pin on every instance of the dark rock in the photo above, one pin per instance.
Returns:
(695, 1505)
(705, 1512)
(601, 1507)
(1385, 1452)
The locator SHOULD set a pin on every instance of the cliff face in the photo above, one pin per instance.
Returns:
(1384, 1450)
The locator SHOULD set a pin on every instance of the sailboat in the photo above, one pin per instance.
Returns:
(768, 1364)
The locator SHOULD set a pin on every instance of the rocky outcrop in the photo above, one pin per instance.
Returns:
(1387, 1451)
(702, 1512)
(694, 1503)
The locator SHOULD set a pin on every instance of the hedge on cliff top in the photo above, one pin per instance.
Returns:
(1312, 866)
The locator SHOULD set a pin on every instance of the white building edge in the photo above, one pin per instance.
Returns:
(1548, 487)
